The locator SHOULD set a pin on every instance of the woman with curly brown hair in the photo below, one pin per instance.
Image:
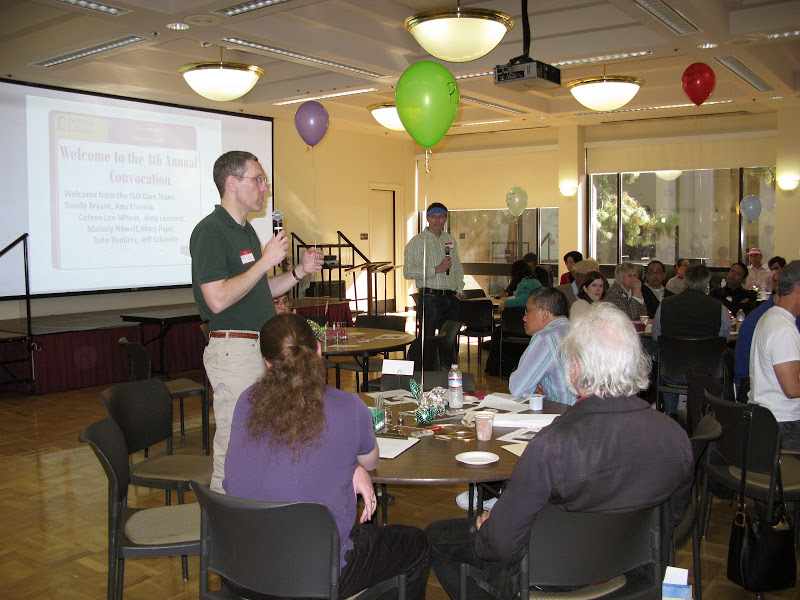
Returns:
(295, 439)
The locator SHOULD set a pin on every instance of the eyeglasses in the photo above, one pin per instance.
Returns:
(260, 180)
(527, 310)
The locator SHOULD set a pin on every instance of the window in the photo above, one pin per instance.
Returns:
(495, 236)
(689, 214)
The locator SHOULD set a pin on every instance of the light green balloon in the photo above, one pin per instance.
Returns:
(517, 201)
(427, 101)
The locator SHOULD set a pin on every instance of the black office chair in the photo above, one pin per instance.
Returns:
(677, 354)
(581, 549)
(478, 317)
(699, 380)
(137, 532)
(512, 330)
(471, 294)
(142, 368)
(706, 431)
(393, 323)
(143, 411)
(724, 459)
(280, 549)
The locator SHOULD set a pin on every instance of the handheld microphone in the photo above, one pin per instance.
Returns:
(447, 253)
(277, 221)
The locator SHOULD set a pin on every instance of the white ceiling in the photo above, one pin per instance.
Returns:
(369, 34)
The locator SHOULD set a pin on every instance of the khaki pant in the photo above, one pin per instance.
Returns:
(233, 365)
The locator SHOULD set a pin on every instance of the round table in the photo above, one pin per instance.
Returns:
(431, 461)
(364, 342)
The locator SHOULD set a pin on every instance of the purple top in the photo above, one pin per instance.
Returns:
(322, 472)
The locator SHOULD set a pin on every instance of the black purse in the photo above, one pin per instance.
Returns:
(761, 554)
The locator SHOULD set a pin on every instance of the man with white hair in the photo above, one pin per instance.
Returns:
(608, 452)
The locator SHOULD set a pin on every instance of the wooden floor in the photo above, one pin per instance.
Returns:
(53, 502)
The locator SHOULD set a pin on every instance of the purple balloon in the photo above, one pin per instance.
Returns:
(311, 121)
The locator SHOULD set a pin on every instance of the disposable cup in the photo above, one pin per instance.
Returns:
(535, 401)
(483, 425)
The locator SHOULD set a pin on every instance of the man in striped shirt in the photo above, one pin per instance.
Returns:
(546, 321)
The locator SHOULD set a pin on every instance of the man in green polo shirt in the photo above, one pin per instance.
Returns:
(232, 290)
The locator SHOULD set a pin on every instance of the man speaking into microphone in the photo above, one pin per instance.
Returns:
(232, 290)
(431, 259)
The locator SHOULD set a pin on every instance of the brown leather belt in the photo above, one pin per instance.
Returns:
(234, 334)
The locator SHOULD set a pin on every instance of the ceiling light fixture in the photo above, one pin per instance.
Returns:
(668, 16)
(459, 35)
(662, 107)
(597, 59)
(245, 7)
(606, 92)
(668, 175)
(386, 114)
(323, 96)
(177, 26)
(222, 81)
(105, 47)
(739, 68)
(491, 105)
(301, 57)
(105, 9)
(482, 123)
(785, 34)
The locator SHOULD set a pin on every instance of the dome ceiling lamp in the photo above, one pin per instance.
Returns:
(386, 114)
(221, 81)
(668, 175)
(605, 92)
(459, 35)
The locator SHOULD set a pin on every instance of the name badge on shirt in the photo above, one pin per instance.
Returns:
(247, 256)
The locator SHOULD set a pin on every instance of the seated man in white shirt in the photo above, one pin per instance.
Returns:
(775, 358)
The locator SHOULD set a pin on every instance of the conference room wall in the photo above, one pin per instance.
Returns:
(481, 180)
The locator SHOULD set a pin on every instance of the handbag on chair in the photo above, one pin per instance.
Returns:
(761, 555)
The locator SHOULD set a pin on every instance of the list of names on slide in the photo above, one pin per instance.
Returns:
(130, 205)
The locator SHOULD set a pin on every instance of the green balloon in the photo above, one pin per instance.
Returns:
(517, 201)
(427, 101)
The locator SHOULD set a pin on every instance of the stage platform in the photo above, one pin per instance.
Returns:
(81, 350)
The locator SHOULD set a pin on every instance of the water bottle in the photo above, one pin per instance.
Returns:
(739, 319)
(455, 387)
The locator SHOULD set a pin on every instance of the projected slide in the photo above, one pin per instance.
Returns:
(109, 190)
(131, 186)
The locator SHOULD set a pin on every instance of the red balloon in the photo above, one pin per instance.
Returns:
(698, 82)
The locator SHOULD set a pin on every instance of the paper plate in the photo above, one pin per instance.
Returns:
(477, 458)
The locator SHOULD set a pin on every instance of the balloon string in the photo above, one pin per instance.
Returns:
(314, 198)
(424, 270)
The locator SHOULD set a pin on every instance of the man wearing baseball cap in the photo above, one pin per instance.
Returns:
(757, 274)
(431, 259)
